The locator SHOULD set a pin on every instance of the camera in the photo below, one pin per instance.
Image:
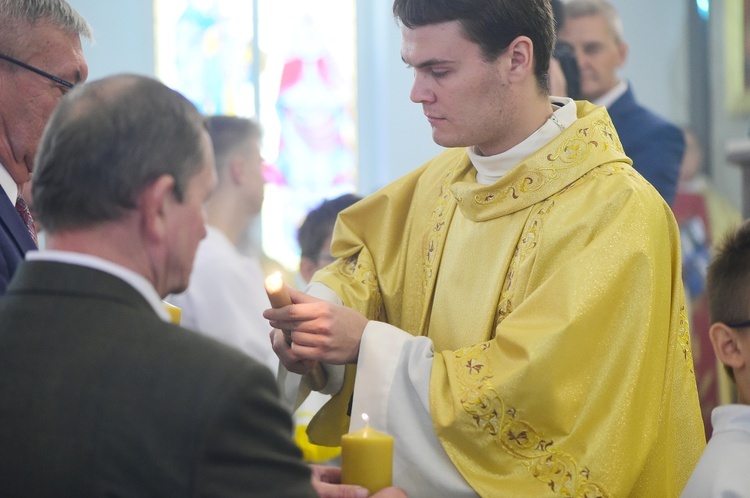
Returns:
(566, 57)
(565, 54)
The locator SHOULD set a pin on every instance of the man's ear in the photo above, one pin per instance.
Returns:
(237, 170)
(622, 50)
(154, 204)
(521, 52)
(726, 344)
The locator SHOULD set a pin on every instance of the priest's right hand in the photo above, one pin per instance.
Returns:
(320, 330)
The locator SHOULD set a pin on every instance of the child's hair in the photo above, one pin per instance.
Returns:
(728, 281)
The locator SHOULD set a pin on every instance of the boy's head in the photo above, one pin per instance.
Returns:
(314, 235)
(728, 287)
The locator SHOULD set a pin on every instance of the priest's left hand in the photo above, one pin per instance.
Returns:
(321, 330)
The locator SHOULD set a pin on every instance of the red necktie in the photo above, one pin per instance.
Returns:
(23, 210)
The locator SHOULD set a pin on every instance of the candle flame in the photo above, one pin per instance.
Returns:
(274, 282)
(366, 418)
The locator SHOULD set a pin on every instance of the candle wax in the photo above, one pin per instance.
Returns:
(367, 459)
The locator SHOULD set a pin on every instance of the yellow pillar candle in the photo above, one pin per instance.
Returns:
(367, 458)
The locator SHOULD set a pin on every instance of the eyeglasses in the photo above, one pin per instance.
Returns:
(738, 325)
(57, 80)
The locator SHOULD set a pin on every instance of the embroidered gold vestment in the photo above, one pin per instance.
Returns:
(554, 302)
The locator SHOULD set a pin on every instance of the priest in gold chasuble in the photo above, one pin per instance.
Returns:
(524, 329)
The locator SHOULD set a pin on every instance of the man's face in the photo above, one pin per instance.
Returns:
(28, 99)
(597, 51)
(187, 223)
(466, 99)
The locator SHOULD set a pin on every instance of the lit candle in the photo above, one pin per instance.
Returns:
(175, 313)
(279, 297)
(367, 458)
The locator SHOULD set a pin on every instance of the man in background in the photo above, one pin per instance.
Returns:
(594, 30)
(226, 298)
(102, 395)
(40, 61)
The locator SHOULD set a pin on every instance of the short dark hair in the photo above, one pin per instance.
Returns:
(491, 24)
(318, 224)
(105, 142)
(227, 132)
(728, 278)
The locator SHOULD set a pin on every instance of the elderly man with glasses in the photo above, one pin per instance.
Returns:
(41, 59)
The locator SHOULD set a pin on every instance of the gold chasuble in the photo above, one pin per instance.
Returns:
(554, 301)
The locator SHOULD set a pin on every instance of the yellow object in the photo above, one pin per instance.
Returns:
(312, 453)
(175, 313)
(554, 301)
(367, 459)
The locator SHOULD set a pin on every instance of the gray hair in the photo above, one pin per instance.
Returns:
(602, 8)
(16, 14)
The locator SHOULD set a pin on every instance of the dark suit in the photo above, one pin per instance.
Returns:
(100, 397)
(15, 240)
(655, 145)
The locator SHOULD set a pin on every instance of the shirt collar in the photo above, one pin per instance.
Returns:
(491, 168)
(8, 185)
(611, 96)
(138, 282)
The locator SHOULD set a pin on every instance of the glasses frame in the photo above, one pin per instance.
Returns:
(54, 78)
(738, 325)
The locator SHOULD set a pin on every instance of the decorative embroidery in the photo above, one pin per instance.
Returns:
(437, 231)
(525, 246)
(569, 154)
(683, 338)
(355, 268)
(558, 470)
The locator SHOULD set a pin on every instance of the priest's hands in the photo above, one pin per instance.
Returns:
(327, 482)
(321, 331)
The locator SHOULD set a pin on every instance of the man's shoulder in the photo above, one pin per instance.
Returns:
(444, 163)
(629, 115)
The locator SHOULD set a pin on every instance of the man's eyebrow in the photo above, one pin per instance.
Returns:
(428, 63)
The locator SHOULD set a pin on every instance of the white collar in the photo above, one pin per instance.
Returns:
(611, 96)
(138, 282)
(491, 168)
(8, 185)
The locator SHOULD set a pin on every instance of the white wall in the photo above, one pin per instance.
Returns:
(657, 64)
(123, 36)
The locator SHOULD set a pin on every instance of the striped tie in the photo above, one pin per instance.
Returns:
(23, 211)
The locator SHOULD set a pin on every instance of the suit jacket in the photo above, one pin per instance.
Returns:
(655, 145)
(100, 397)
(15, 240)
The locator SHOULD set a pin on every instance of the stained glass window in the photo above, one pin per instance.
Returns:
(297, 76)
